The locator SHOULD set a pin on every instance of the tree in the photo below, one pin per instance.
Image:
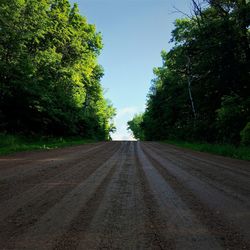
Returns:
(49, 74)
(193, 95)
(135, 126)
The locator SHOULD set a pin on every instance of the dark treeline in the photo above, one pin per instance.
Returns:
(49, 75)
(201, 92)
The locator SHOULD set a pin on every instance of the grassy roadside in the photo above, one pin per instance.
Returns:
(241, 152)
(14, 143)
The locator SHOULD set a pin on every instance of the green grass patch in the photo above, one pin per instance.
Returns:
(241, 152)
(15, 143)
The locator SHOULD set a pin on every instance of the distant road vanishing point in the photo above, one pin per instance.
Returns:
(124, 195)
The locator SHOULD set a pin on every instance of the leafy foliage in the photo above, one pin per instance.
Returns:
(49, 75)
(238, 152)
(245, 135)
(17, 143)
(201, 92)
(135, 126)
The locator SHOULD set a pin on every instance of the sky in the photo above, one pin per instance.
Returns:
(134, 34)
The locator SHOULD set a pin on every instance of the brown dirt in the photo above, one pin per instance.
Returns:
(124, 195)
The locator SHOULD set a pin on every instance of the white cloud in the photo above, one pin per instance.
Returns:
(123, 116)
(126, 111)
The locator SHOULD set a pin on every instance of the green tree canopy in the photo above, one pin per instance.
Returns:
(135, 126)
(201, 92)
(49, 74)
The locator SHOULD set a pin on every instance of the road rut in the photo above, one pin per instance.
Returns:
(124, 195)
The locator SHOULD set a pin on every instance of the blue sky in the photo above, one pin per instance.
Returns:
(134, 34)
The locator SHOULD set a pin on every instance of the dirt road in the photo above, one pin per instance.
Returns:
(124, 195)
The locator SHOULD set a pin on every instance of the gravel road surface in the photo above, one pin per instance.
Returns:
(124, 195)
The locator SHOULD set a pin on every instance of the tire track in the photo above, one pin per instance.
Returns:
(222, 180)
(123, 195)
(114, 224)
(24, 161)
(27, 178)
(10, 206)
(220, 177)
(81, 224)
(221, 230)
(231, 214)
(239, 167)
(183, 226)
(53, 224)
(24, 211)
(233, 186)
(156, 229)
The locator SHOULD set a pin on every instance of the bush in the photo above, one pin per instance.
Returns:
(230, 119)
(245, 135)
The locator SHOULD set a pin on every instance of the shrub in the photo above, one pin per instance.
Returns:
(245, 135)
